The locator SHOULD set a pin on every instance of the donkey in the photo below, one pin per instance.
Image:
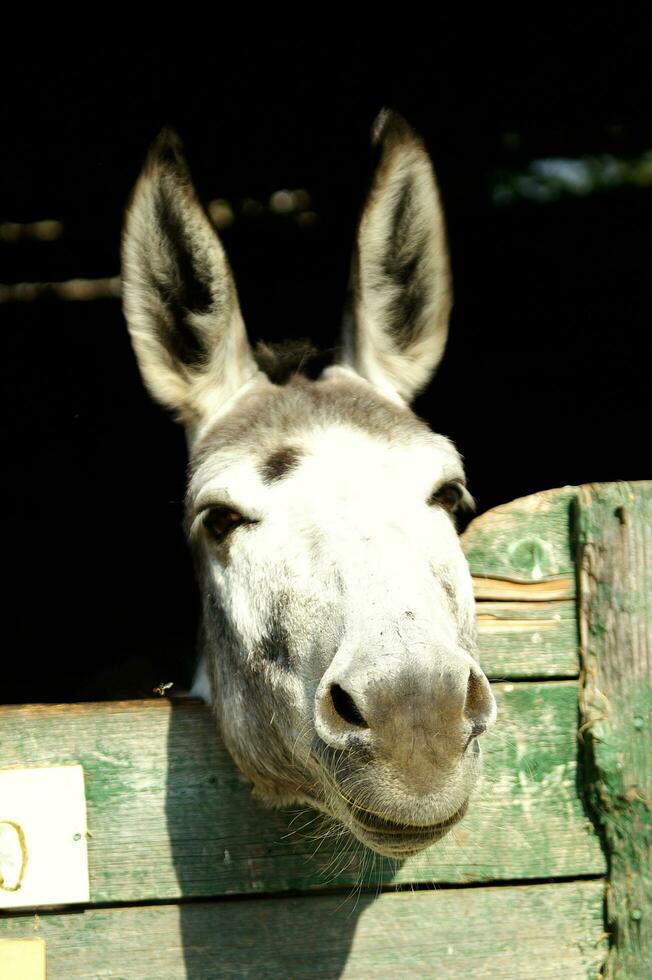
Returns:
(338, 641)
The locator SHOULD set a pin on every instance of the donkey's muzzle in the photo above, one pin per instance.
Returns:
(420, 716)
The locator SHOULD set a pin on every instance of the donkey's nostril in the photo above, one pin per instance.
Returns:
(346, 706)
(480, 706)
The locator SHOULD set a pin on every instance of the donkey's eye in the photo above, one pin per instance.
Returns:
(220, 521)
(449, 496)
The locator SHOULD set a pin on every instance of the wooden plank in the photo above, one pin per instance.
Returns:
(615, 561)
(527, 541)
(495, 588)
(520, 932)
(528, 639)
(170, 815)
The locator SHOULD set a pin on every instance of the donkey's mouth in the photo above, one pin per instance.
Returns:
(391, 837)
(398, 839)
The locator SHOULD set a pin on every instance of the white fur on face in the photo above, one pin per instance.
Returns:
(364, 577)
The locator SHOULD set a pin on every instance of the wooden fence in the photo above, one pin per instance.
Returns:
(547, 876)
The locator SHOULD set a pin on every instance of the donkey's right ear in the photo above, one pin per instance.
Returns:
(401, 289)
(179, 296)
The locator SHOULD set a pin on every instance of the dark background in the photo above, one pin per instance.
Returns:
(545, 378)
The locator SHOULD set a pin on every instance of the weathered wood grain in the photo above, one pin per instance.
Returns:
(170, 815)
(526, 541)
(524, 584)
(540, 931)
(528, 639)
(615, 563)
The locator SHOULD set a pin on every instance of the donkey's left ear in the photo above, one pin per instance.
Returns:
(179, 296)
(401, 284)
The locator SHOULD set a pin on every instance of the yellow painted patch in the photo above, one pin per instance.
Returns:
(22, 959)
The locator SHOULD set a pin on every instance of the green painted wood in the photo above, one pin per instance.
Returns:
(614, 529)
(170, 815)
(519, 932)
(525, 541)
(520, 640)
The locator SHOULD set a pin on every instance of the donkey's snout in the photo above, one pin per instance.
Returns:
(445, 705)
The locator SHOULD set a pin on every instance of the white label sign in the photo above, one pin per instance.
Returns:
(43, 842)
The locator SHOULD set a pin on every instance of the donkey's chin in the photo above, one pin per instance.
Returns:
(405, 824)
(397, 839)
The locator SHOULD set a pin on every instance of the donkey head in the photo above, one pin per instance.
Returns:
(338, 637)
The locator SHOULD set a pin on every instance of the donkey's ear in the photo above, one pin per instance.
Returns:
(401, 291)
(179, 297)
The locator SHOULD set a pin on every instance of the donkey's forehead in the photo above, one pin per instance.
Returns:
(264, 413)
(272, 427)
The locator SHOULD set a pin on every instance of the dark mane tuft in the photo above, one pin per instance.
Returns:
(281, 362)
